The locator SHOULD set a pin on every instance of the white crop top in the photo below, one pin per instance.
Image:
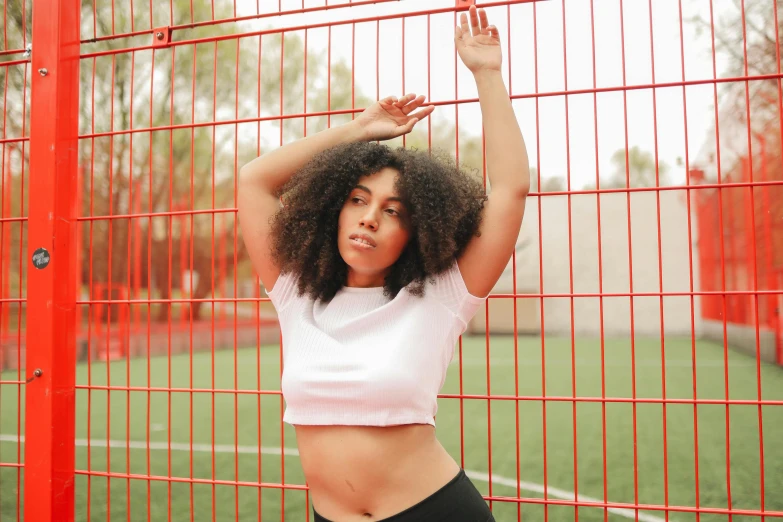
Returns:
(365, 359)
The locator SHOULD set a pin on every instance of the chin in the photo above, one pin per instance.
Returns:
(354, 260)
(358, 263)
(359, 267)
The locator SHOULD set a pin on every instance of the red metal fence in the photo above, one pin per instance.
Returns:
(141, 364)
(741, 246)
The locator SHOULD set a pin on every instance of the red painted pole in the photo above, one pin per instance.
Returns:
(183, 226)
(750, 314)
(77, 274)
(706, 205)
(136, 227)
(5, 248)
(766, 237)
(732, 312)
(779, 329)
(5, 253)
(222, 267)
(50, 367)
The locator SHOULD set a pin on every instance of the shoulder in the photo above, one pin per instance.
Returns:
(284, 291)
(449, 284)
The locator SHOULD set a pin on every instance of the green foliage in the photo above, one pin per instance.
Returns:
(746, 43)
(641, 169)
(214, 107)
(203, 91)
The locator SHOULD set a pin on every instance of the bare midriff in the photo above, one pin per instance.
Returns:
(368, 473)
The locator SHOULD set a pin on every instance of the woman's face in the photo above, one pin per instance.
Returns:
(373, 210)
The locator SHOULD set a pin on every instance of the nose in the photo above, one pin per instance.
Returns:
(369, 220)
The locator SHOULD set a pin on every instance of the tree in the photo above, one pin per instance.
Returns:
(749, 43)
(553, 184)
(759, 37)
(181, 165)
(641, 167)
(641, 170)
(147, 172)
(146, 90)
(14, 95)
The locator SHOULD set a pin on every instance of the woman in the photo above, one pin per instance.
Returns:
(376, 261)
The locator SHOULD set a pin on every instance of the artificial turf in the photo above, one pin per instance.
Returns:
(632, 434)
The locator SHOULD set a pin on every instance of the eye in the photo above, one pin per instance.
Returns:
(355, 199)
(394, 212)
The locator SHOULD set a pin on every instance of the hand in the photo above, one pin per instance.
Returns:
(479, 45)
(390, 117)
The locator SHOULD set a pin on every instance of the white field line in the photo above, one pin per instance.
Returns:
(291, 452)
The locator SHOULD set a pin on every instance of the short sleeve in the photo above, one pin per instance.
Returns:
(450, 290)
(284, 291)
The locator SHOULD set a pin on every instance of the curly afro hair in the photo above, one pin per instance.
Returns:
(444, 203)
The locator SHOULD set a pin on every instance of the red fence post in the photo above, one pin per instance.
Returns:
(779, 324)
(77, 268)
(750, 240)
(50, 368)
(5, 256)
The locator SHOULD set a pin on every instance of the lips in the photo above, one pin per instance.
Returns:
(364, 239)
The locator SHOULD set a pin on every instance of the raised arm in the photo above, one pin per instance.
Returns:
(486, 256)
(258, 181)
(260, 178)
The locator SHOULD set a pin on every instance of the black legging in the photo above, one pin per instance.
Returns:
(457, 501)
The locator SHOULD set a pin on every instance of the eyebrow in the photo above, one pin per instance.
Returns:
(362, 187)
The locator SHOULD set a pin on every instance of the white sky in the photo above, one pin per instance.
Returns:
(550, 147)
(553, 157)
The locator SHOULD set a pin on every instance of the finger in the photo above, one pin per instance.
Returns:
(493, 32)
(426, 111)
(413, 105)
(389, 100)
(404, 100)
(408, 127)
(484, 21)
(474, 21)
(459, 37)
(463, 20)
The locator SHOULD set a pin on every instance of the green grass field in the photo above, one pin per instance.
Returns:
(169, 419)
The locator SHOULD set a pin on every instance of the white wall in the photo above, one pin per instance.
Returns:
(554, 242)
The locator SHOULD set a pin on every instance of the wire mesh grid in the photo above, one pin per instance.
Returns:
(627, 365)
(14, 165)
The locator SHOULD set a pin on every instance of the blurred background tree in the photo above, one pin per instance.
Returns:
(192, 160)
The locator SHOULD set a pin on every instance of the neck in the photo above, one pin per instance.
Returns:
(355, 280)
